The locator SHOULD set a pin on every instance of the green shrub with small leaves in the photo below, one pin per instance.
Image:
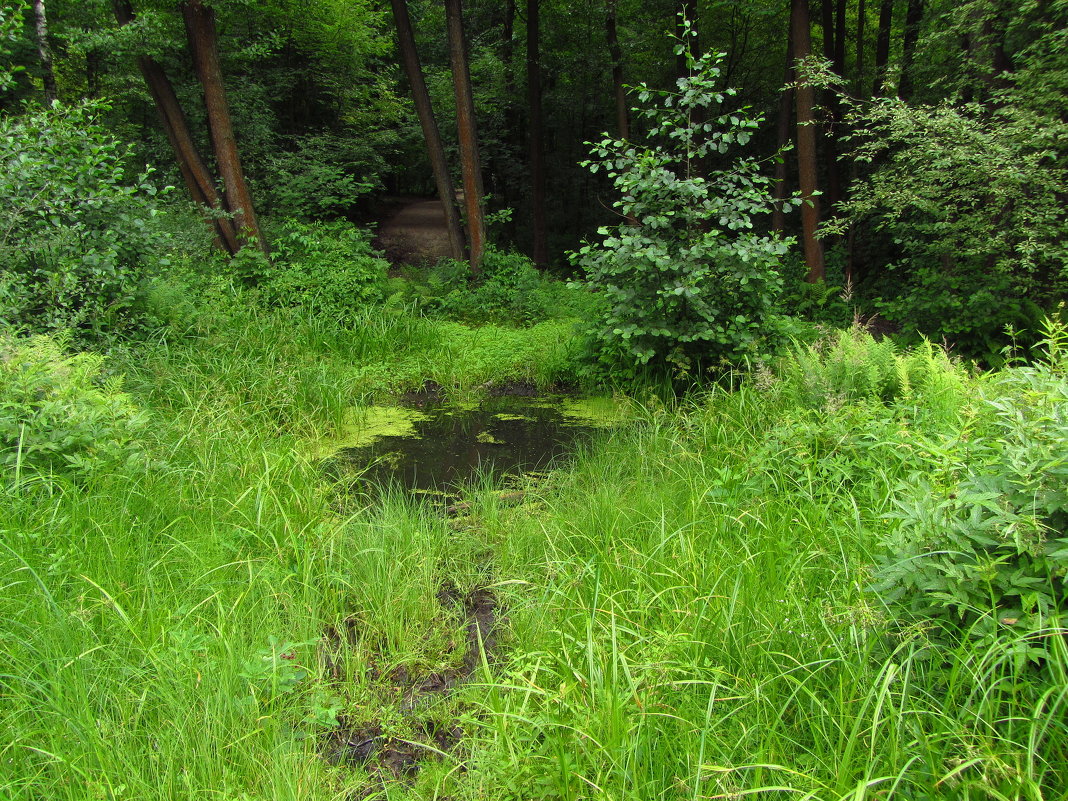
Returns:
(983, 547)
(326, 267)
(510, 291)
(78, 236)
(59, 415)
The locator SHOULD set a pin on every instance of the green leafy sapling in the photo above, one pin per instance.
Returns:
(688, 283)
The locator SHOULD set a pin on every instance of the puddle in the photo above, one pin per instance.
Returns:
(429, 446)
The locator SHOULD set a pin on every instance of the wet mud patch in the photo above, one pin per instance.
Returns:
(423, 720)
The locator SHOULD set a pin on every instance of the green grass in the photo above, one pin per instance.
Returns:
(687, 612)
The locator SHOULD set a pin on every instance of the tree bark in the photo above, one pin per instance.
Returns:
(203, 41)
(616, 54)
(191, 165)
(786, 103)
(44, 52)
(470, 163)
(859, 77)
(431, 133)
(882, 45)
(537, 136)
(913, 18)
(806, 144)
(833, 47)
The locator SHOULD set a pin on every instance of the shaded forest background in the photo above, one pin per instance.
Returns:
(927, 137)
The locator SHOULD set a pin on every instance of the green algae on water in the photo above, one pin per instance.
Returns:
(368, 425)
(599, 412)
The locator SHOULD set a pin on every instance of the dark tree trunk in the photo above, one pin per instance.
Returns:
(616, 54)
(913, 18)
(195, 174)
(203, 41)
(882, 45)
(840, 38)
(466, 128)
(786, 103)
(806, 144)
(44, 52)
(859, 69)
(537, 136)
(431, 134)
(833, 47)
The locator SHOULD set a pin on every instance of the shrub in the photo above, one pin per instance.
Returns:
(510, 291)
(985, 547)
(327, 267)
(77, 241)
(687, 281)
(59, 415)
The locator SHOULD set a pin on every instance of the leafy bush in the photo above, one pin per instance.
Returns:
(58, 415)
(77, 240)
(985, 546)
(511, 290)
(970, 199)
(328, 267)
(687, 280)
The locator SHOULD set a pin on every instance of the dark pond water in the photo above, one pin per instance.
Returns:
(432, 446)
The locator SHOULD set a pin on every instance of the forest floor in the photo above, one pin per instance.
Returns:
(415, 233)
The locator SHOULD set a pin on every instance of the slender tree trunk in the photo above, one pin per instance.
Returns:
(786, 104)
(431, 134)
(537, 135)
(882, 45)
(470, 163)
(840, 38)
(44, 52)
(833, 46)
(616, 54)
(203, 41)
(806, 143)
(195, 174)
(859, 78)
(913, 17)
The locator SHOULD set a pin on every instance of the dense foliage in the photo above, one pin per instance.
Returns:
(688, 282)
(77, 239)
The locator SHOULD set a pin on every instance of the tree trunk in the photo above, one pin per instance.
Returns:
(786, 103)
(44, 52)
(832, 47)
(859, 69)
(470, 163)
(882, 46)
(431, 133)
(806, 143)
(195, 174)
(616, 54)
(203, 41)
(913, 17)
(537, 136)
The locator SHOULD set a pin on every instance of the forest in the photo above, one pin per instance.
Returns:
(534, 400)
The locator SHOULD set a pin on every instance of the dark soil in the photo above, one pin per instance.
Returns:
(366, 743)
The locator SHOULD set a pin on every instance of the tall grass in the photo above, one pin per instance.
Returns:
(685, 608)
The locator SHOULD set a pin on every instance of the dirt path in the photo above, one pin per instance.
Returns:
(416, 233)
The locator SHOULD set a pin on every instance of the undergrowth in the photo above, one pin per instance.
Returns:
(689, 610)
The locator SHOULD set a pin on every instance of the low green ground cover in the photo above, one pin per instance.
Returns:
(685, 612)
